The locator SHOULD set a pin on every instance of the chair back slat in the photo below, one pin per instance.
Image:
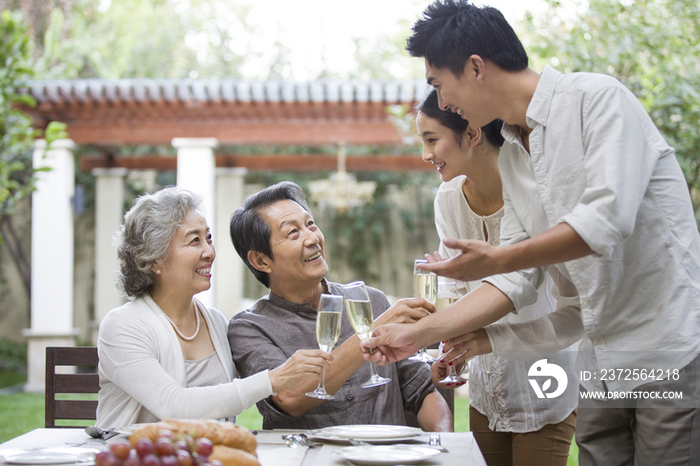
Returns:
(76, 356)
(75, 409)
(77, 383)
(70, 383)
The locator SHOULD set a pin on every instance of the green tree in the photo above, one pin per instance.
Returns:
(17, 176)
(141, 39)
(652, 46)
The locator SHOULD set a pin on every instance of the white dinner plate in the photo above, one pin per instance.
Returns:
(371, 433)
(386, 454)
(49, 456)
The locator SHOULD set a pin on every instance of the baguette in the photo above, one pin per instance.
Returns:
(219, 432)
(233, 456)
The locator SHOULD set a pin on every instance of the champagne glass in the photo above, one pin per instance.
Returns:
(447, 295)
(361, 318)
(424, 286)
(328, 319)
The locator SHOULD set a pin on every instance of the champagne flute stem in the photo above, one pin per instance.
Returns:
(322, 382)
(372, 371)
(371, 368)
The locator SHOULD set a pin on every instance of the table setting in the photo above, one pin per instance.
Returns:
(371, 445)
(338, 445)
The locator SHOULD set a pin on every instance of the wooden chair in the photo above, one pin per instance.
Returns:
(70, 383)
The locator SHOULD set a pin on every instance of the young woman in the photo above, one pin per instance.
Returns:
(164, 354)
(511, 425)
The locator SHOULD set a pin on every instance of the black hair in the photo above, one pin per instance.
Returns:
(453, 30)
(250, 232)
(430, 107)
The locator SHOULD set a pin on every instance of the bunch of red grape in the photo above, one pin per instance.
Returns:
(165, 451)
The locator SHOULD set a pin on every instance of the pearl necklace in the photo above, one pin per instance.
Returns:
(177, 330)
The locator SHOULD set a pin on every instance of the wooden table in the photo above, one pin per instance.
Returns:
(272, 449)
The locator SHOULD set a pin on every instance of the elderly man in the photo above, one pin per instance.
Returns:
(275, 235)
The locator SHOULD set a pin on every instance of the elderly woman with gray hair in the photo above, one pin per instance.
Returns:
(164, 354)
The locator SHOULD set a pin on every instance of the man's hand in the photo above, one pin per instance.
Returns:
(479, 259)
(406, 311)
(476, 261)
(395, 342)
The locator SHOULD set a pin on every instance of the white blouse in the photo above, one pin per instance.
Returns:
(498, 387)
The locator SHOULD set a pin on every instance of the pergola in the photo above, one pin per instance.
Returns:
(196, 117)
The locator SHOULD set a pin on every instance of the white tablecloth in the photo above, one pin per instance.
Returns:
(272, 449)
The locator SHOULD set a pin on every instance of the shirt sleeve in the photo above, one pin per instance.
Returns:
(618, 164)
(520, 286)
(253, 351)
(415, 377)
(130, 358)
(416, 383)
(547, 334)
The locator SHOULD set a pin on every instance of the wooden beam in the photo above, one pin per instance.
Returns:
(119, 123)
(310, 162)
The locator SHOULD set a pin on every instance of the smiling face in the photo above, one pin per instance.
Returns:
(440, 147)
(186, 268)
(296, 243)
(464, 95)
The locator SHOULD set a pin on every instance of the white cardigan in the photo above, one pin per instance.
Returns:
(142, 368)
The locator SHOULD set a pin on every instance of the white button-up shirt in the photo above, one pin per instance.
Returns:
(598, 163)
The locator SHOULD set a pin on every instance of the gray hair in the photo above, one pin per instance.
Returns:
(144, 236)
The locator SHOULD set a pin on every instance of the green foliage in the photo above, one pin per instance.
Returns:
(13, 355)
(146, 39)
(15, 127)
(12, 379)
(17, 177)
(652, 46)
(385, 56)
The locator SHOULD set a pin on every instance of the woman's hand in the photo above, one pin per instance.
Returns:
(440, 371)
(405, 311)
(299, 368)
(459, 349)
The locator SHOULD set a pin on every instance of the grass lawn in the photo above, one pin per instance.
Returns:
(22, 412)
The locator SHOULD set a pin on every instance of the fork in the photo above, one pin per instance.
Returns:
(300, 440)
(436, 442)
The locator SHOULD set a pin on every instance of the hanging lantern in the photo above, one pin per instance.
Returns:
(341, 191)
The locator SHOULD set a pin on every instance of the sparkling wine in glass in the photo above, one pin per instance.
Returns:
(361, 318)
(447, 295)
(424, 286)
(328, 319)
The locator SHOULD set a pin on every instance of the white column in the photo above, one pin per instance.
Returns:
(229, 269)
(109, 210)
(52, 258)
(196, 172)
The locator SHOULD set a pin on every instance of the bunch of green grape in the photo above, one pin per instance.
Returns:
(165, 451)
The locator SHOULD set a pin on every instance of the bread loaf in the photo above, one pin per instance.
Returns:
(219, 432)
(233, 456)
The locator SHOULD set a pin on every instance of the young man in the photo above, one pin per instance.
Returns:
(275, 235)
(591, 187)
